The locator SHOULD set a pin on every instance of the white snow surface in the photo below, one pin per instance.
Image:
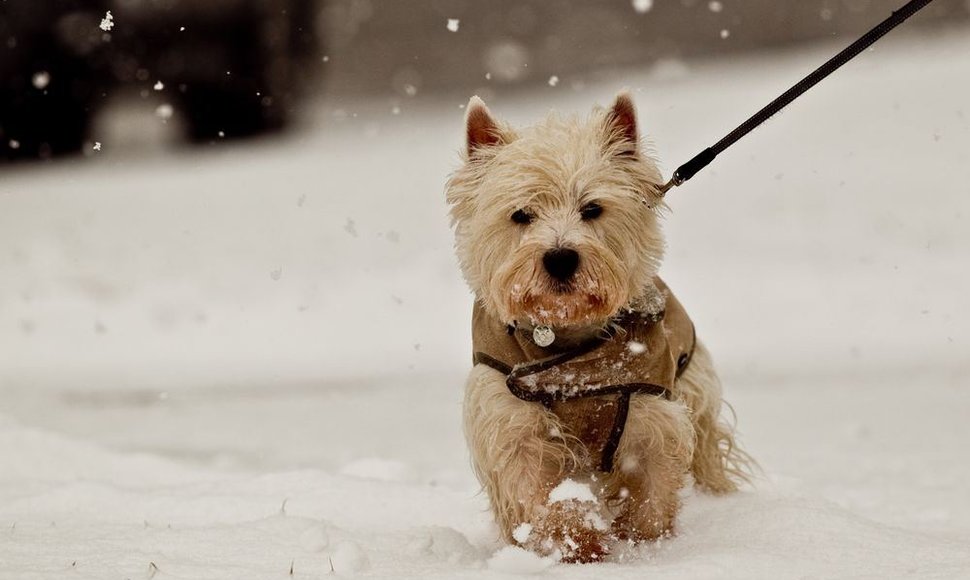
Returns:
(516, 560)
(570, 489)
(205, 374)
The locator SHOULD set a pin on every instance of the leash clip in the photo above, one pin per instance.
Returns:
(674, 182)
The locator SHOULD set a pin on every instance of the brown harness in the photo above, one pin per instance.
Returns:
(589, 387)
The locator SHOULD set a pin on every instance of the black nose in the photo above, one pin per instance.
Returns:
(561, 263)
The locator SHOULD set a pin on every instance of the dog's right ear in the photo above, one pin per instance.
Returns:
(481, 129)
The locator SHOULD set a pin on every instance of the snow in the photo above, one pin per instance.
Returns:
(349, 558)
(452, 25)
(642, 6)
(315, 539)
(570, 490)
(507, 60)
(522, 532)
(379, 469)
(158, 86)
(636, 347)
(41, 79)
(515, 560)
(164, 111)
(165, 402)
(108, 22)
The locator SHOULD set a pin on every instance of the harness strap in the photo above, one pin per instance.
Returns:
(623, 408)
(619, 425)
(625, 391)
(481, 358)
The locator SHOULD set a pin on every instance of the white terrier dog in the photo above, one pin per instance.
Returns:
(591, 399)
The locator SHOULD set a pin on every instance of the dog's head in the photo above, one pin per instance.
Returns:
(557, 224)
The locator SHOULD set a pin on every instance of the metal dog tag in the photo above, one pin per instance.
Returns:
(543, 336)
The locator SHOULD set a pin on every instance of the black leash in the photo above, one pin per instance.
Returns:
(702, 159)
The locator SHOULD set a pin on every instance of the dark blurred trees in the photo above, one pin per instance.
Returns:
(232, 67)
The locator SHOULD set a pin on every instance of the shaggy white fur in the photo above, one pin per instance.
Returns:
(517, 195)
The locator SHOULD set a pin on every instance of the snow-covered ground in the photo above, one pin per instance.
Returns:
(247, 362)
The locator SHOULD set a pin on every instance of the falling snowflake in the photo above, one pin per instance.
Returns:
(410, 90)
(725, 33)
(14, 144)
(642, 6)
(553, 81)
(41, 80)
(164, 112)
(159, 86)
(350, 227)
(715, 6)
(453, 24)
(97, 146)
(108, 22)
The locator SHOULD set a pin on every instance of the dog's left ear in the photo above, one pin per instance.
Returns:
(621, 125)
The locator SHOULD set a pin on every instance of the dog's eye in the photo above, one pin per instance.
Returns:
(591, 211)
(522, 217)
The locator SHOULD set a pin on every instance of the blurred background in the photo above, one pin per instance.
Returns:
(228, 69)
(225, 257)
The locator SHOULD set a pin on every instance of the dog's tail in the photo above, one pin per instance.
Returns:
(719, 464)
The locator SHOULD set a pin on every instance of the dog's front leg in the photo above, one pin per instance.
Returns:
(520, 453)
(651, 465)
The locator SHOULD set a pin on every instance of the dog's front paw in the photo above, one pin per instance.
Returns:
(570, 526)
(655, 529)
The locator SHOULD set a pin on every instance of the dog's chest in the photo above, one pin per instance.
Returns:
(589, 387)
(591, 420)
